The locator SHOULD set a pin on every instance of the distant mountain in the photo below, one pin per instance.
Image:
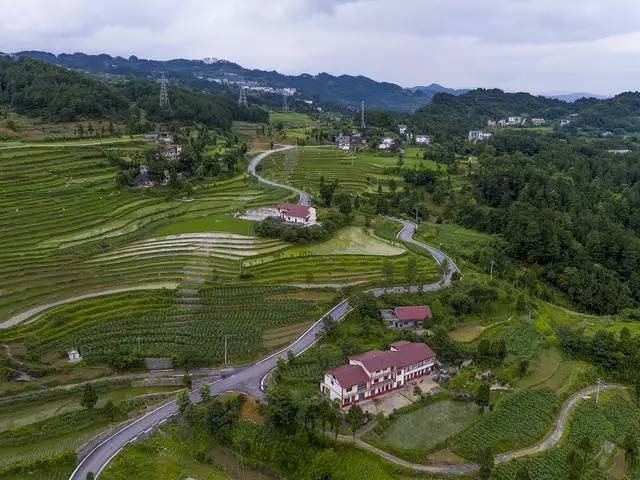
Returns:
(344, 91)
(572, 97)
(434, 88)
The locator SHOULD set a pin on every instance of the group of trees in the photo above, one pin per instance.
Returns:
(272, 228)
(36, 88)
(570, 209)
(617, 355)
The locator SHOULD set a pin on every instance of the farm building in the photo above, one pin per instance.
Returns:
(142, 178)
(423, 139)
(406, 317)
(164, 136)
(478, 135)
(377, 372)
(74, 356)
(386, 143)
(296, 214)
(537, 121)
(172, 151)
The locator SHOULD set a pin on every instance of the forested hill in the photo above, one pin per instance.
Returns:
(568, 211)
(457, 114)
(340, 91)
(57, 94)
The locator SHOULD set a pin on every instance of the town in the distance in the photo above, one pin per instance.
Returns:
(216, 272)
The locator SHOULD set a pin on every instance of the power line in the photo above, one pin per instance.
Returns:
(164, 93)
(242, 101)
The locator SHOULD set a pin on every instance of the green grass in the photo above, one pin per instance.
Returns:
(167, 455)
(209, 223)
(290, 119)
(518, 420)
(429, 426)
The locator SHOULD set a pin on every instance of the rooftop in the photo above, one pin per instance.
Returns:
(294, 209)
(349, 375)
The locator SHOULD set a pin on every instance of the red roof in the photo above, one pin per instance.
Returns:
(402, 354)
(413, 313)
(294, 209)
(349, 375)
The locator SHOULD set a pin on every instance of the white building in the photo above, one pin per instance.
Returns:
(386, 143)
(478, 135)
(74, 356)
(492, 123)
(294, 213)
(377, 372)
(516, 120)
(537, 121)
(402, 128)
(564, 122)
(423, 139)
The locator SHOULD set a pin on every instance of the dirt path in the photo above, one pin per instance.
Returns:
(551, 440)
(32, 312)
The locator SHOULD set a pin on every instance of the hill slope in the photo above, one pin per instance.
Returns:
(345, 91)
(36, 88)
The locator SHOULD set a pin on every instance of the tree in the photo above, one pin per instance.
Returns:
(411, 270)
(355, 419)
(89, 396)
(184, 402)
(205, 392)
(109, 410)
(486, 462)
(484, 395)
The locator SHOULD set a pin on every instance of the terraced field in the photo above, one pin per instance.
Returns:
(303, 167)
(62, 221)
(166, 323)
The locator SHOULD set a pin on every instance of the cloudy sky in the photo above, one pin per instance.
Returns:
(533, 45)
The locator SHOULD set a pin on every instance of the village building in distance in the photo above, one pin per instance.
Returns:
(422, 139)
(406, 317)
(478, 136)
(375, 373)
(296, 214)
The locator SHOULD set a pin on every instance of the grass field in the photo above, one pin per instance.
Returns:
(429, 426)
(290, 119)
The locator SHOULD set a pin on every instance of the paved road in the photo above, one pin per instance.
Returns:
(250, 379)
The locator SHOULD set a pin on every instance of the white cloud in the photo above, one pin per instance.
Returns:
(533, 45)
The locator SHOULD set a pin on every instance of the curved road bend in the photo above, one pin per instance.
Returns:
(249, 379)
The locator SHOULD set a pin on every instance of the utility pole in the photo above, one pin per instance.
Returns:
(285, 102)
(416, 214)
(492, 263)
(599, 382)
(225, 350)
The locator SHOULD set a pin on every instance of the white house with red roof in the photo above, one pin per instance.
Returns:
(377, 372)
(297, 214)
(406, 317)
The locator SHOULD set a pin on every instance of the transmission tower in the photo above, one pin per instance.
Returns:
(362, 114)
(242, 101)
(285, 102)
(164, 93)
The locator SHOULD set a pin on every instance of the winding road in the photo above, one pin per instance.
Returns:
(250, 379)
